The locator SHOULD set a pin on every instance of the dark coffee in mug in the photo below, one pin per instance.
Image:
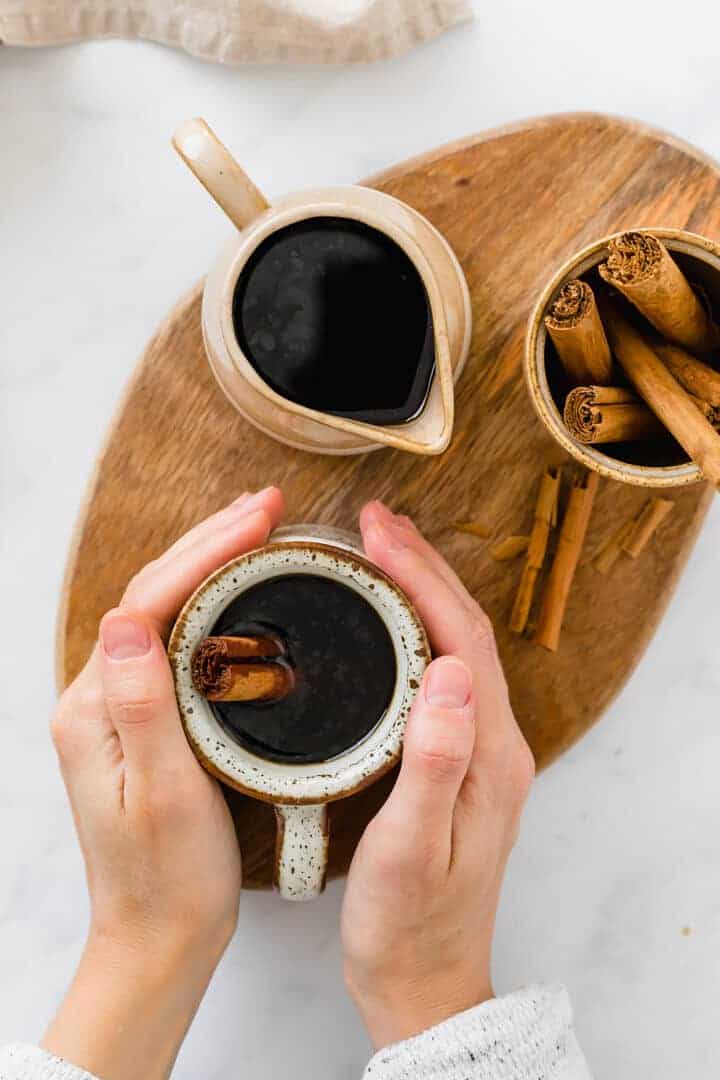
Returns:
(334, 316)
(343, 661)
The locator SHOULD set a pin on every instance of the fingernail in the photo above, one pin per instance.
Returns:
(448, 684)
(124, 638)
(256, 499)
(245, 505)
(382, 510)
(387, 536)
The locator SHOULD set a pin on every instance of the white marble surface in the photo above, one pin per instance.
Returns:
(100, 231)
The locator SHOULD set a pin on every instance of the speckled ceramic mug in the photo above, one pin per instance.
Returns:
(300, 792)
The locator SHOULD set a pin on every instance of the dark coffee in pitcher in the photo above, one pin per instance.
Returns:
(334, 316)
(343, 662)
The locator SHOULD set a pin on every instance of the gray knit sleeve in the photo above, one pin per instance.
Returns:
(527, 1035)
(20, 1061)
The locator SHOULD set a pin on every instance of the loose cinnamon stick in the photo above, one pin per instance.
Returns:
(693, 375)
(475, 528)
(509, 548)
(642, 269)
(653, 513)
(663, 393)
(241, 669)
(611, 551)
(603, 414)
(545, 520)
(570, 542)
(577, 333)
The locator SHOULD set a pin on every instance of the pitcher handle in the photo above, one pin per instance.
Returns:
(219, 173)
(301, 851)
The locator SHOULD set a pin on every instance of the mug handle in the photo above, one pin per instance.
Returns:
(219, 173)
(301, 851)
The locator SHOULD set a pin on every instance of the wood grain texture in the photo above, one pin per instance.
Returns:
(514, 204)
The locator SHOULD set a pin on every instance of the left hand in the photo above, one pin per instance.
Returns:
(424, 884)
(161, 855)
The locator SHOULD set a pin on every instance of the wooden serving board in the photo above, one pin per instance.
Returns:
(514, 204)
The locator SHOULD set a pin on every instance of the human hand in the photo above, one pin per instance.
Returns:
(161, 855)
(423, 889)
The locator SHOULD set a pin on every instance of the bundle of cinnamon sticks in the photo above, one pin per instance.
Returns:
(640, 353)
(570, 541)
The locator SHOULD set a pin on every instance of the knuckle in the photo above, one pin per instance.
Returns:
(482, 634)
(441, 759)
(131, 708)
(394, 853)
(87, 698)
(516, 772)
(137, 583)
(522, 768)
(79, 701)
(60, 730)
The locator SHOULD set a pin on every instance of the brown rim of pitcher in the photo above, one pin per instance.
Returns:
(686, 243)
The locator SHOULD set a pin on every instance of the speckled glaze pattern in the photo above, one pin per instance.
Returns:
(592, 457)
(332, 553)
(302, 850)
(297, 426)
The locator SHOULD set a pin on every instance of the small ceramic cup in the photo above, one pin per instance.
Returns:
(430, 430)
(299, 792)
(642, 464)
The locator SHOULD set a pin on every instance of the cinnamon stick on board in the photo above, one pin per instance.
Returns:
(663, 393)
(603, 414)
(567, 556)
(611, 551)
(642, 269)
(509, 548)
(241, 669)
(692, 374)
(577, 333)
(545, 520)
(654, 511)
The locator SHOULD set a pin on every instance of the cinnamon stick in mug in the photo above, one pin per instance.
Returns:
(710, 412)
(241, 669)
(603, 414)
(574, 326)
(640, 267)
(692, 374)
(567, 556)
(663, 393)
(545, 520)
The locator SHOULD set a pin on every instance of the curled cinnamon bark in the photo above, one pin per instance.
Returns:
(241, 669)
(605, 414)
(642, 269)
(574, 326)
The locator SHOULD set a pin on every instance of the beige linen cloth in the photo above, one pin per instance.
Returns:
(238, 31)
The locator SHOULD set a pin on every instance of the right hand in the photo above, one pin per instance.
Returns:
(424, 885)
(161, 854)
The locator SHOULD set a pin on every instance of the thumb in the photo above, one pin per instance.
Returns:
(438, 747)
(139, 693)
